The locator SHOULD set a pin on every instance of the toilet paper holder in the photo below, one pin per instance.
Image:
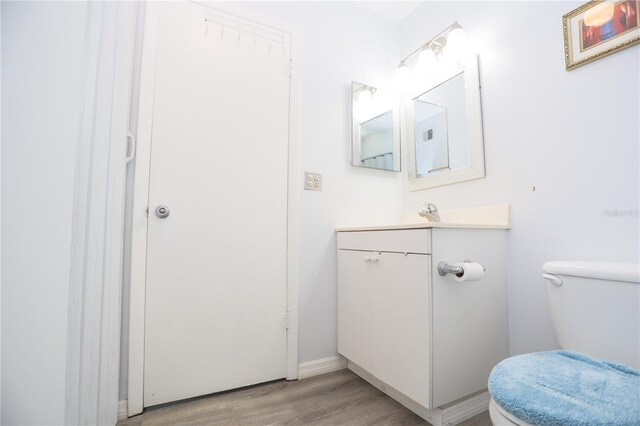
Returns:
(444, 268)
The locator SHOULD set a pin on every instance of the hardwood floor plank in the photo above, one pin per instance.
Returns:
(339, 398)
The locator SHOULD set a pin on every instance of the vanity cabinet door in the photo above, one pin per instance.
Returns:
(384, 317)
(355, 315)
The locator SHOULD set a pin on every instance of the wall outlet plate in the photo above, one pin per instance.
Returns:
(312, 181)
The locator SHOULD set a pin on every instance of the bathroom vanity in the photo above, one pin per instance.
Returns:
(426, 340)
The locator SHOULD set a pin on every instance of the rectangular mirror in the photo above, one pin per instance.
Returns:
(443, 123)
(375, 129)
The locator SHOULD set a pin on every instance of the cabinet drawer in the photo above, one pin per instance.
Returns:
(401, 241)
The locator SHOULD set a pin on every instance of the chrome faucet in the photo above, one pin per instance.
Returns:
(430, 212)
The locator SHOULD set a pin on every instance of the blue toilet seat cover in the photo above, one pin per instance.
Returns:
(566, 388)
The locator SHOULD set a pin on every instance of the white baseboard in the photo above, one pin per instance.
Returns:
(463, 410)
(122, 409)
(451, 414)
(321, 366)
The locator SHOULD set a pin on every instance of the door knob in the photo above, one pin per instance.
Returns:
(162, 211)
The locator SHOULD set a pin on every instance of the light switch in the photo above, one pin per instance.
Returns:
(312, 181)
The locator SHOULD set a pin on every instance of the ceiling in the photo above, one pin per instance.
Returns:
(395, 11)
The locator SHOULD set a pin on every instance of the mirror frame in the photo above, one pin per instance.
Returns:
(355, 135)
(476, 167)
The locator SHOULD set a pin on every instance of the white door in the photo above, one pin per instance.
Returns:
(216, 265)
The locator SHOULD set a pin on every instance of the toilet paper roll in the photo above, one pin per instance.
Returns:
(472, 272)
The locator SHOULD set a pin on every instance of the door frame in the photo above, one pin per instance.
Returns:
(135, 403)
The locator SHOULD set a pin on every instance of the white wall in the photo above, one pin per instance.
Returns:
(42, 58)
(338, 43)
(573, 135)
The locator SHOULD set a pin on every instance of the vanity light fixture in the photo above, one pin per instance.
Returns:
(451, 41)
(365, 93)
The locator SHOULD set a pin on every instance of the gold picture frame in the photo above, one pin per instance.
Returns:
(586, 43)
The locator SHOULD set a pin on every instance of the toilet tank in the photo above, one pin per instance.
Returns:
(595, 308)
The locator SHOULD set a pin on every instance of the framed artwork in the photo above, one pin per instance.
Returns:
(599, 28)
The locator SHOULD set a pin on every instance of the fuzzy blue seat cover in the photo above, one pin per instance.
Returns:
(566, 388)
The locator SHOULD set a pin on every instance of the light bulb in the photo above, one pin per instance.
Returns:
(427, 58)
(403, 78)
(457, 37)
(425, 68)
(599, 14)
(364, 104)
(403, 72)
(365, 97)
(456, 49)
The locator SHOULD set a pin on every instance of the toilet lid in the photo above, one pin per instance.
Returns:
(566, 388)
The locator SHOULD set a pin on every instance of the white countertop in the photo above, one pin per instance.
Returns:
(485, 217)
(421, 226)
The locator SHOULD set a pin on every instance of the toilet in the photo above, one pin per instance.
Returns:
(594, 378)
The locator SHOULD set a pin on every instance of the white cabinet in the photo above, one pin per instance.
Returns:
(383, 324)
(429, 338)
